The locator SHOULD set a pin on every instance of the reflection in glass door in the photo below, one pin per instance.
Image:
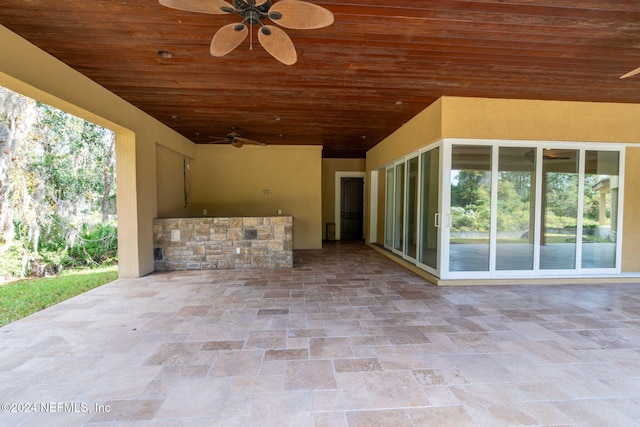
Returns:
(398, 215)
(559, 209)
(511, 209)
(429, 200)
(600, 212)
(470, 208)
(516, 207)
(412, 209)
(389, 203)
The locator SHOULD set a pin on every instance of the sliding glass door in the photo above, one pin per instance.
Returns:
(411, 208)
(398, 210)
(483, 209)
(515, 225)
(411, 228)
(600, 212)
(560, 209)
(389, 204)
(429, 210)
(470, 208)
(519, 210)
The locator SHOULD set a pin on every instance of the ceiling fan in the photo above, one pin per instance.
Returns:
(631, 73)
(292, 14)
(235, 140)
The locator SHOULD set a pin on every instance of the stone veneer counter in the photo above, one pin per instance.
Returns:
(223, 243)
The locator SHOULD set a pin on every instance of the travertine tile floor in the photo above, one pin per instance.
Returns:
(346, 338)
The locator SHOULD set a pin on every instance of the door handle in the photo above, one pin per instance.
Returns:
(436, 220)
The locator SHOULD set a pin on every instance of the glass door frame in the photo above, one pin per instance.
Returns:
(445, 209)
(407, 212)
(391, 192)
(439, 217)
(398, 231)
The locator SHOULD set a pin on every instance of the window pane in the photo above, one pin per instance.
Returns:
(599, 227)
(515, 225)
(398, 241)
(429, 199)
(470, 208)
(412, 207)
(388, 221)
(560, 209)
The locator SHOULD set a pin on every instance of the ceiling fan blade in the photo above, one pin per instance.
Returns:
(248, 141)
(278, 44)
(200, 6)
(631, 73)
(228, 38)
(260, 2)
(300, 15)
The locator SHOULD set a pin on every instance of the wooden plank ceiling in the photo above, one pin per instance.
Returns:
(356, 81)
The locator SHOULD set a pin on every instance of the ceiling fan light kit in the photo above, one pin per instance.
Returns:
(291, 14)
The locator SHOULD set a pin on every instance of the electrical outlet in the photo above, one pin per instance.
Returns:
(279, 211)
(237, 251)
(204, 211)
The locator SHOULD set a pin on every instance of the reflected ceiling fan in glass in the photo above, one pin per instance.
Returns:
(292, 14)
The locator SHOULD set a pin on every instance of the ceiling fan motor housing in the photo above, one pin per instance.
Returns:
(253, 14)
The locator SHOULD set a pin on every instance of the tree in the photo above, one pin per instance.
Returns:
(56, 181)
(471, 191)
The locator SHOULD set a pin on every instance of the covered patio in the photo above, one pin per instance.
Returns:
(345, 338)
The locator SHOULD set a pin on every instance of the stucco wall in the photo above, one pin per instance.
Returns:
(630, 224)
(420, 131)
(149, 159)
(173, 181)
(28, 70)
(485, 118)
(258, 181)
(540, 120)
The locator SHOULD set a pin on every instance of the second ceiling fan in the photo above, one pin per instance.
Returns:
(292, 14)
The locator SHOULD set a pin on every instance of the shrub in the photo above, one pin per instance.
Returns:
(96, 245)
(13, 262)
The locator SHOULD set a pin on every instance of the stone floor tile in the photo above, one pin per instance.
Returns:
(394, 389)
(345, 338)
(330, 419)
(309, 375)
(237, 363)
(598, 412)
(388, 417)
(283, 409)
(490, 405)
(195, 398)
(267, 339)
(441, 416)
(352, 399)
(330, 348)
(125, 410)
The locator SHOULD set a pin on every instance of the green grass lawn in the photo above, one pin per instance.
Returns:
(22, 298)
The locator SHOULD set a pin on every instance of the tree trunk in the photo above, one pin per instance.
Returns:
(7, 148)
(108, 180)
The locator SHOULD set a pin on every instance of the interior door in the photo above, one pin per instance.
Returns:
(351, 208)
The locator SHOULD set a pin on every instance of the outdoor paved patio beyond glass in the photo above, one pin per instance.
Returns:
(345, 338)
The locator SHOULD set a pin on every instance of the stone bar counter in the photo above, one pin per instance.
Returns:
(223, 243)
